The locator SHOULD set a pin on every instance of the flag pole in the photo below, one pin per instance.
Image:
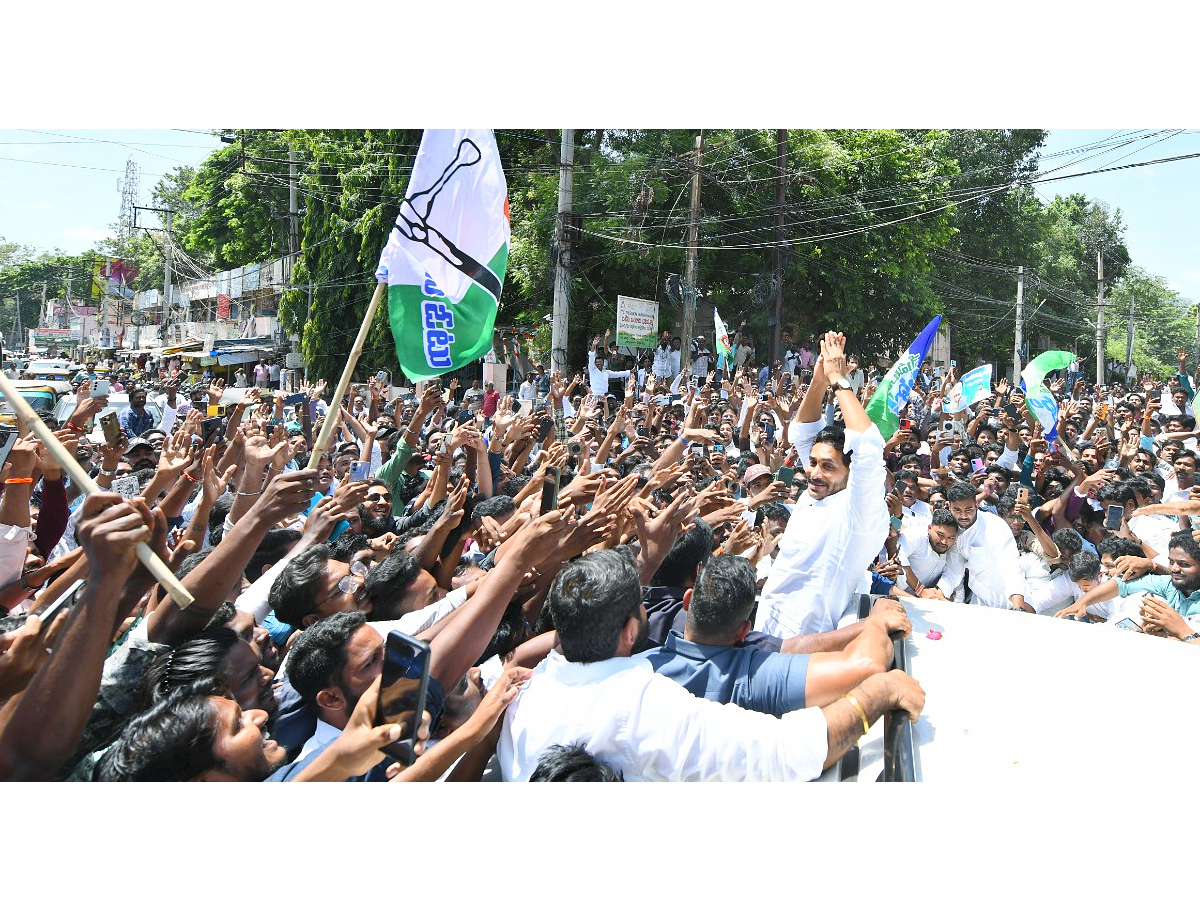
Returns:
(80, 478)
(335, 404)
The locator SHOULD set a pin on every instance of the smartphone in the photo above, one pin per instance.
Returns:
(66, 601)
(111, 428)
(785, 474)
(8, 437)
(977, 465)
(294, 399)
(101, 387)
(215, 410)
(550, 490)
(643, 431)
(1113, 517)
(718, 448)
(1102, 412)
(906, 424)
(544, 430)
(402, 692)
(1023, 495)
(698, 449)
(210, 427)
(360, 470)
(1128, 625)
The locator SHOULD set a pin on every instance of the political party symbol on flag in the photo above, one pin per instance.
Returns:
(891, 396)
(445, 260)
(1037, 396)
(976, 385)
(724, 347)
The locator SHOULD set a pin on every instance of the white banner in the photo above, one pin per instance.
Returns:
(637, 322)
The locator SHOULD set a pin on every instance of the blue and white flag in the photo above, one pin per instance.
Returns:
(891, 396)
(976, 385)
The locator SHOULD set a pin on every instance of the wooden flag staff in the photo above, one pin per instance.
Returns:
(335, 404)
(83, 481)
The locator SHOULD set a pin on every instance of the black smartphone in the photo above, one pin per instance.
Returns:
(111, 428)
(66, 601)
(1113, 516)
(402, 692)
(550, 490)
(295, 399)
(544, 430)
(8, 437)
(210, 427)
(643, 431)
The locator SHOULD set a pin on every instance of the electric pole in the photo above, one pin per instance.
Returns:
(689, 270)
(780, 193)
(1099, 317)
(293, 208)
(562, 276)
(1020, 335)
(1129, 340)
(167, 269)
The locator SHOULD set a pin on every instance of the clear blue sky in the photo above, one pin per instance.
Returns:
(61, 187)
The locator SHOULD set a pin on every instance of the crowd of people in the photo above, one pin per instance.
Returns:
(623, 573)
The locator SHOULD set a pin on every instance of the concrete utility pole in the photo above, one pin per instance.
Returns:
(780, 194)
(167, 271)
(1019, 339)
(293, 207)
(562, 276)
(1099, 317)
(690, 266)
(1129, 340)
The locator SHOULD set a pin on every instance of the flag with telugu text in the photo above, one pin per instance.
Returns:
(445, 260)
(891, 396)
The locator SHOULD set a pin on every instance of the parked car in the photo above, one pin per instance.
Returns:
(43, 396)
(116, 403)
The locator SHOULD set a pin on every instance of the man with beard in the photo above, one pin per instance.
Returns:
(376, 516)
(135, 419)
(141, 456)
(653, 729)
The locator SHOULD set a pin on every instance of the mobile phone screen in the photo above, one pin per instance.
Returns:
(550, 490)
(1128, 625)
(402, 691)
(1113, 517)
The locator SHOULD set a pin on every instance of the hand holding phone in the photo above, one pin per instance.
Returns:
(403, 689)
(550, 490)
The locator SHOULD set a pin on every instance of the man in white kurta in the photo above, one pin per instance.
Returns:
(839, 526)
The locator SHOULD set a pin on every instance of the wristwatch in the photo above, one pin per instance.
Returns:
(843, 384)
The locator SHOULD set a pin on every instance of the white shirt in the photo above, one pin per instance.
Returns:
(918, 554)
(598, 378)
(919, 510)
(986, 548)
(1048, 597)
(322, 736)
(528, 390)
(421, 619)
(14, 544)
(828, 544)
(664, 365)
(1154, 530)
(652, 729)
(675, 363)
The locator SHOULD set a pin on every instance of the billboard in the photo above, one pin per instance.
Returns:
(637, 322)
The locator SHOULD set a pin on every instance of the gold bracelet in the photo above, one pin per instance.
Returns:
(854, 702)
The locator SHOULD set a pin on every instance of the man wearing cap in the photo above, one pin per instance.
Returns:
(841, 521)
(134, 419)
(140, 455)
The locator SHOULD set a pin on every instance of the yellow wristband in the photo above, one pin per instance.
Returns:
(862, 714)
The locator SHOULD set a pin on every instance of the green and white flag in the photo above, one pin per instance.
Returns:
(445, 260)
